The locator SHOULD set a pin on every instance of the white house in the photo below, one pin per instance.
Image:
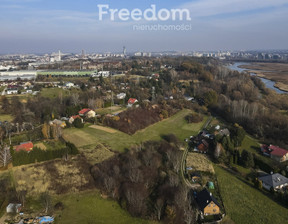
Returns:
(276, 180)
(13, 208)
(90, 114)
(11, 91)
(121, 96)
(69, 84)
(104, 73)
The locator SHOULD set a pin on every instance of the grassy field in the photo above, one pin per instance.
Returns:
(96, 154)
(110, 110)
(199, 162)
(54, 92)
(6, 117)
(118, 141)
(250, 144)
(91, 208)
(246, 205)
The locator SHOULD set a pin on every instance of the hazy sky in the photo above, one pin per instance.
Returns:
(39, 26)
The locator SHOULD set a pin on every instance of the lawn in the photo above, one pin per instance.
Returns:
(110, 110)
(250, 144)
(245, 204)
(253, 146)
(91, 208)
(118, 141)
(54, 92)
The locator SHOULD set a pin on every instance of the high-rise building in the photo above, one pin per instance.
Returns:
(124, 51)
(59, 56)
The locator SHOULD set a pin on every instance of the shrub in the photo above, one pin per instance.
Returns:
(194, 118)
(78, 123)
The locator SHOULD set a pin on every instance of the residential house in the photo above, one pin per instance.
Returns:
(69, 84)
(207, 203)
(90, 114)
(121, 96)
(13, 208)
(12, 91)
(25, 146)
(132, 102)
(72, 119)
(203, 146)
(275, 152)
(86, 112)
(276, 180)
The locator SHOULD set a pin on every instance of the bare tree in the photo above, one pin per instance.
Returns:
(92, 104)
(159, 207)
(173, 180)
(176, 160)
(5, 156)
(22, 196)
(46, 201)
(218, 150)
(135, 175)
(189, 214)
(75, 99)
(109, 184)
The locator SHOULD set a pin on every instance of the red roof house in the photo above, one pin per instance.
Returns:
(71, 119)
(84, 111)
(278, 153)
(132, 101)
(26, 146)
(275, 152)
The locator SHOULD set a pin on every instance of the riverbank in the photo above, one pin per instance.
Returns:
(275, 72)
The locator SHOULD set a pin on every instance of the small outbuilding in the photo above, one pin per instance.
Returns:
(13, 208)
(210, 185)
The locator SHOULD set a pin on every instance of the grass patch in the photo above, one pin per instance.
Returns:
(96, 154)
(118, 141)
(6, 117)
(90, 207)
(245, 204)
(54, 92)
(250, 144)
(110, 110)
(199, 162)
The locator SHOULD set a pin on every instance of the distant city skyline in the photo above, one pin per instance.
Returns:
(38, 26)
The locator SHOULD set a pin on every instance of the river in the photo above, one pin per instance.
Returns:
(268, 83)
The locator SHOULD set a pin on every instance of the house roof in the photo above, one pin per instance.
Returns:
(27, 146)
(274, 180)
(277, 151)
(76, 116)
(84, 111)
(132, 100)
(204, 198)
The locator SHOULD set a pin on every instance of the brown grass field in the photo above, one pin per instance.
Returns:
(199, 162)
(277, 72)
(96, 154)
(56, 177)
